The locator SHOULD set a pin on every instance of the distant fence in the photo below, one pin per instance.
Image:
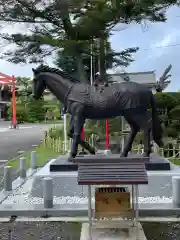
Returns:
(173, 152)
(58, 145)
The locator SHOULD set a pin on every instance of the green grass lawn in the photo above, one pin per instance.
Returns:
(43, 155)
(54, 122)
(175, 161)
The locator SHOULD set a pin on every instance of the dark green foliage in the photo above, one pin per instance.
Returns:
(58, 132)
(27, 110)
(99, 127)
(36, 111)
(169, 105)
(112, 59)
(164, 100)
(176, 95)
(53, 108)
(21, 113)
(175, 113)
(171, 132)
(33, 111)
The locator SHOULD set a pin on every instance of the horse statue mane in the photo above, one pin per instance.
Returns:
(46, 68)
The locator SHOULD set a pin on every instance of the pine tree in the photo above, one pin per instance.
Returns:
(71, 25)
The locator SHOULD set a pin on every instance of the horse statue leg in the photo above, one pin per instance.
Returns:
(84, 144)
(130, 138)
(76, 128)
(147, 134)
(140, 121)
(147, 142)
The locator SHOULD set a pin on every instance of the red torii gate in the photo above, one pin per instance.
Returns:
(11, 80)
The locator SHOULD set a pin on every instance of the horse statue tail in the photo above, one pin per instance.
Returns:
(157, 130)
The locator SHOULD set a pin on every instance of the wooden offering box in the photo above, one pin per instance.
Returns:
(112, 202)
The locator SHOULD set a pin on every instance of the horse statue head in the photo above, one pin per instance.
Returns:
(38, 83)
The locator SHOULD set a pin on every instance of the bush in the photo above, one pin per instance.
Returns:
(171, 132)
(36, 111)
(165, 101)
(176, 95)
(57, 113)
(99, 127)
(30, 111)
(21, 113)
(58, 132)
(54, 109)
(175, 113)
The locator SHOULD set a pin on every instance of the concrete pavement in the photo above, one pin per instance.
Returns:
(22, 139)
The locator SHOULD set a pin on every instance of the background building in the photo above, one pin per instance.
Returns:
(5, 98)
(146, 78)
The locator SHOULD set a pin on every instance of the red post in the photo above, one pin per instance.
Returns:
(14, 120)
(107, 135)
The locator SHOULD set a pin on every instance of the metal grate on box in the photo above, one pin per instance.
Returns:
(130, 172)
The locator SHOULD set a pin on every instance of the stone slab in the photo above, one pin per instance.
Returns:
(65, 183)
(111, 233)
(66, 189)
(84, 219)
(61, 164)
(21, 202)
(155, 163)
(64, 210)
(155, 199)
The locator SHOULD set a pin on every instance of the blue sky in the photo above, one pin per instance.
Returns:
(153, 55)
(152, 41)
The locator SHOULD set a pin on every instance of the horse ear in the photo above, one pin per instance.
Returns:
(34, 70)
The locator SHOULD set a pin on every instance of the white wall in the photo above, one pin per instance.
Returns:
(139, 77)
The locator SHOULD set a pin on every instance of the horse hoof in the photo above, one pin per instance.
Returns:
(146, 155)
(123, 155)
(73, 155)
(93, 152)
(70, 159)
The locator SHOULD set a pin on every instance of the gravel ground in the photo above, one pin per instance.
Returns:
(40, 231)
(71, 231)
(162, 231)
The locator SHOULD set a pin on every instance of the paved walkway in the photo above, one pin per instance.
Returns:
(15, 140)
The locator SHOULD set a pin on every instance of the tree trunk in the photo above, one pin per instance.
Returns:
(71, 34)
(102, 60)
(80, 67)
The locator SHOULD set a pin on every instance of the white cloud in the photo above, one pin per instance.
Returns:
(159, 48)
(164, 42)
(168, 39)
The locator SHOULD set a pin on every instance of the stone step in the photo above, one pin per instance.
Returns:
(156, 163)
(108, 232)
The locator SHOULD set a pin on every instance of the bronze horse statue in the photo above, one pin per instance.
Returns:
(128, 99)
